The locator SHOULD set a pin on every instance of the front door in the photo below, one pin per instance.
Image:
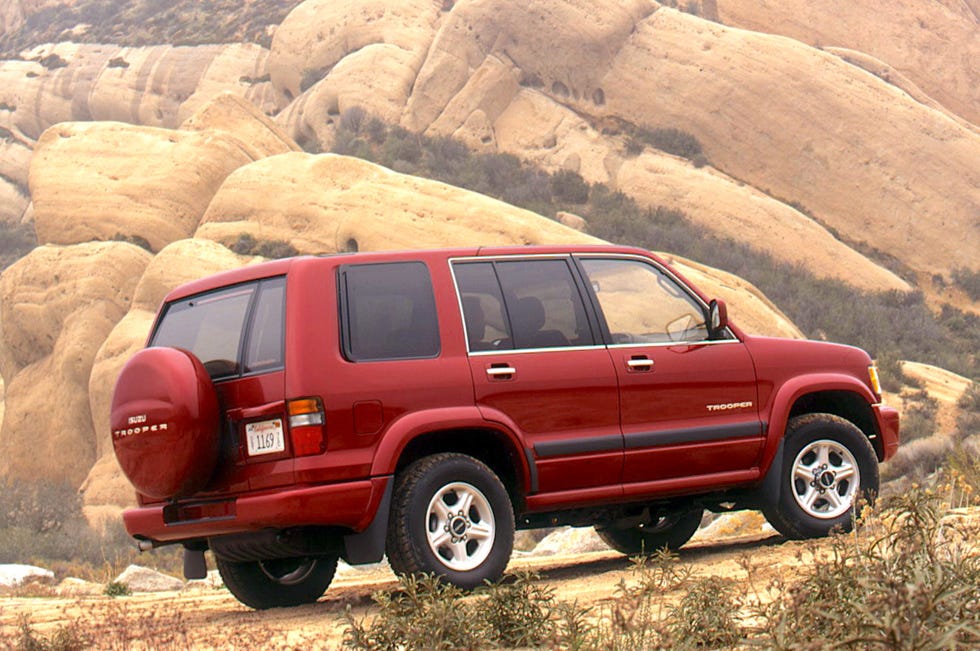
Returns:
(688, 402)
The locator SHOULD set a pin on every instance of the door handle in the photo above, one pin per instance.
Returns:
(498, 371)
(640, 363)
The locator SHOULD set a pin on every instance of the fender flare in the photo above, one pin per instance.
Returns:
(786, 396)
(409, 427)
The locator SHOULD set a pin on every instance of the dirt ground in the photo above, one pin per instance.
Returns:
(206, 617)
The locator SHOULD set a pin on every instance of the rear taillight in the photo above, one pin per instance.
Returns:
(307, 426)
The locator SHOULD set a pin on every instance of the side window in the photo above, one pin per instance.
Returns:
(210, 326)
(483, 307)
(388, 312)
(543, 303)
(642, 304)
(264, 350)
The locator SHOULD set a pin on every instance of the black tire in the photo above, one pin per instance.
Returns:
(278, 583)
(671, 531)
(841, 471)
(426, 534)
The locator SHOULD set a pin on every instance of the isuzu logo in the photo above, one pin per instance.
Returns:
(729, 405)
(136, 420)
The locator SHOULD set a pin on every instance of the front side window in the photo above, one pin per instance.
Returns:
(213, 325)
(389, 312)
(642, 304)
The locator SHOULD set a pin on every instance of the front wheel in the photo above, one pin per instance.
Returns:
(279, 582)
(670, 531)
(451, 517)
(828, 467)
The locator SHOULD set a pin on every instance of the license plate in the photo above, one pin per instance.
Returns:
(265, 437)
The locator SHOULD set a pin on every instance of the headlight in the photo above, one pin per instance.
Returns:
(875, 382)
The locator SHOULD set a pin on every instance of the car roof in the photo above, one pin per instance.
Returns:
(281, 267)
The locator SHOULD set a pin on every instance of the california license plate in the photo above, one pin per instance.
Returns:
(265, 437)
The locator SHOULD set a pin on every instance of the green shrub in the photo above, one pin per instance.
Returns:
(116, 589)
(246, 244)
(570, 187)
(919, 416)
(907, 579)
(969, 281)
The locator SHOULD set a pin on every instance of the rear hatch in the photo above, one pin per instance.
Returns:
(237, 332)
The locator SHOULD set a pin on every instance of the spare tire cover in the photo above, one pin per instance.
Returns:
(165, 423)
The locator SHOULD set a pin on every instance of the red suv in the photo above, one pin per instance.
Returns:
(426, 404)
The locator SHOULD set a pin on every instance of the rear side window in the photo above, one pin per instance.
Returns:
(388, 312)
(213, 327)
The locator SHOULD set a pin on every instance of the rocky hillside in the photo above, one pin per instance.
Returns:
(848, 149)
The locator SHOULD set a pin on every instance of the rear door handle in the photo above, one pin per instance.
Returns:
(501, 371)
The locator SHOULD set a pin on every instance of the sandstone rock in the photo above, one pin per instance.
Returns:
(160, 85)
(12, 574)
(864, 157)
(717, 203)
(141, 579)
(377, 79)
(894, 77)
(537, 38)
(318, 34)
(93, 181)
(238, 118)
(570, 540)
(339, 203)
(936, 44)
(13, 202)
(56, 307)
(72, 587)
(15, 158)
(571, 220)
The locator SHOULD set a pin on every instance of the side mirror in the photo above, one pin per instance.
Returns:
(717, 318)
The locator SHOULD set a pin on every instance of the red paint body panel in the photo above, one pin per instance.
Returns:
(581, 426)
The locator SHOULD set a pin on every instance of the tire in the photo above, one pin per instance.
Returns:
(828, 467)
(426, 532)
(670, 531)
(278, 583)
(165, 423)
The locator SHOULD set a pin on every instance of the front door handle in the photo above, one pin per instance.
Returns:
(639, 363)
(499, 371)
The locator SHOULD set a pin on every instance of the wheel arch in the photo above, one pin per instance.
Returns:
(839, 395)
(462, 431)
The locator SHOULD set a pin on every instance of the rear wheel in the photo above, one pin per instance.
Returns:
(278, 582)
(451, 517)
(828, 468)
(670, 531)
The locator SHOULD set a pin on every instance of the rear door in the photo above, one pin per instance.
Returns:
(539, 367)
(688, 403)
(237, 333)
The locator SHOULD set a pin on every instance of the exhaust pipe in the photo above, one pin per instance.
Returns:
(144, 545)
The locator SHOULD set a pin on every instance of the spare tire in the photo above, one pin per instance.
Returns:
(165, 423)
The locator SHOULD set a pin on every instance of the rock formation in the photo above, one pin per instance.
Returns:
(935, 44)
(57, 305)
(147, 182)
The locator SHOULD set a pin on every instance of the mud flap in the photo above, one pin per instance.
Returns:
(771, 487)
(369, 545)
(195, 567)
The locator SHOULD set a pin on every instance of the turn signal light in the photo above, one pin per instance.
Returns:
(875, 382)
(307, 426)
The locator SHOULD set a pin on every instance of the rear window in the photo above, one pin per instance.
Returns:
(388, 312)
(213, 327)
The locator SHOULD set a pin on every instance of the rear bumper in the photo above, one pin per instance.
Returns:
(350, 505)
(887, 420)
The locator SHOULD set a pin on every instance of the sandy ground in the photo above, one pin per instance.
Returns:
(204, 617)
